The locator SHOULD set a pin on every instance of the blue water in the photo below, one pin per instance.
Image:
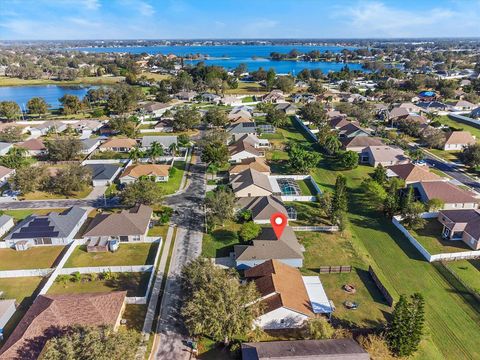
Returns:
(230, 56)
(51, 93)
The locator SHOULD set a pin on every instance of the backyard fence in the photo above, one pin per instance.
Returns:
(465, 119)
(306, 128)
(474, 254)
(386, 294)
(103, 269)
(475, 294)
(335, 269)
(106, 161)
(316, 228)
(25, 273)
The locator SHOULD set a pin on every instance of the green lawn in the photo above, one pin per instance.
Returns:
(450, 311)
(135, 316)
(447, 155)
(247, 99)
(457, 125)
(431, 239)
(90, 80)
(158, 230)
(40, 257)
(219, 242)
(308, 214)
(468, 271)
(43, 195)
(107, 155)
(306, 187)
(134, 283)
(127, 254)
(245, 88)
(20, 289)
(22, 214)
(173, 183)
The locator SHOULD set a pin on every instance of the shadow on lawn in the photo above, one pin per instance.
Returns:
(370, 285)
(229, 237)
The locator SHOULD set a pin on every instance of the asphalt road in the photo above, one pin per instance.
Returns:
(189, 218)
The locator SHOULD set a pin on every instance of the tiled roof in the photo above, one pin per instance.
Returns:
(414, 173)
(460, 137)
(139, 170)
(262, 207)
(119, 143)
(447, 192)
(256, 163)
(32, 144)
(250, 177)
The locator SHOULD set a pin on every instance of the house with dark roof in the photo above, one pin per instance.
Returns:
(126, 226)
(89, 145)
(165, 141)
(452, 196)
(267, 246)
(153, 109)
(262, 207)
(331, 349)
(289, 299)
(50, 315)
(103, 174)
(352, 129)
(55, 228)
(237, 130)
(461, 225)
(287, 108)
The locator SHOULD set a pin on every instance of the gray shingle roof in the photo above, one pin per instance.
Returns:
(103, 171)
(165, 141)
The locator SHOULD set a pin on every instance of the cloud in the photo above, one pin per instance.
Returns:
(83, 22)
(145, 9)
(92, 4)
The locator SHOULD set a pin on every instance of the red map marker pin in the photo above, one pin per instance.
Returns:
(278, 221)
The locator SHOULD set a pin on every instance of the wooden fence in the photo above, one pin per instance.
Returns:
(380, 286)
(335, 269)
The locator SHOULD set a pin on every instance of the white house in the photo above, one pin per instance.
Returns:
(457, 140)
(6, 223)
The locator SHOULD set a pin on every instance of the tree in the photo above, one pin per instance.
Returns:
(339, 202)
(411, 215)
(11, 134)
(285, 83)
(135, 153)
(15, 158)
(63, 148)
(173, 148)
(319, 329)
(215, 153)
(92, 343)
(270, 79)
(220, 206)
(249, 231)
(405, 329)
(143, 191)
(276, 117)
(434, 138)
(316, 87)
(70, 179)
(380, 175)
(155, 151)
(348, 160)
(217, 305)
(392, 203)
(186, 118)
(124, 126)
(71, 104)
(123, 98)
(37, 105)
(376, 346)
(301, 159)
(9, 110)
(216, 117)
(314, 112)
(29, 179)
(416, 154)
(471, 155)
(332, 144)
(435, 204)
(374, 194)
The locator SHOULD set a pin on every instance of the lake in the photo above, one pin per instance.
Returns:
(230, 56)
(51, 93)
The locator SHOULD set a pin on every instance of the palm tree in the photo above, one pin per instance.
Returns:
(135, 154)
(332, 144)
(173, 148)
(156, 150)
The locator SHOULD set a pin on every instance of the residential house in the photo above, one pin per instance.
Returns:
(160, 173)
(89, 145)
(165, 141)
(186, 95)
(7, 309)
(211, 98)
(237, 130)
(255, 163)
(34, 147)
(262, 207)
(55, 228)
(452, 196)
(267, 246)
(360, 143)
(46, 127)
(411, 108)
(164, 125)
(255, 141)
(461, 105)
(118, 145)
(350, 130)
(353, 98)
(49, 315)
(385, 155)
(4, 148)
(302, 97)
(251, 183)
(433, 106)
(461, 225)
(5, 174)
(239, 115)
(86, 127)
(398, 113)
(103, 174)
(331, 349)
(6, 223)
(287, 108)
(230, 100)
(274, 96)
(241, 150)
(339, 121)
(457, 140)
(289, 299)
(126, 226)
(412, 173)
(153, 109)
(475, 114)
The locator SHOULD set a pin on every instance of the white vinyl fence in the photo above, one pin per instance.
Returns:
(25, 273)
(316, 228)
(103, 269)
(396, 220)
(306, 128)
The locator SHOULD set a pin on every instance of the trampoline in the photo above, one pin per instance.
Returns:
(288, 186)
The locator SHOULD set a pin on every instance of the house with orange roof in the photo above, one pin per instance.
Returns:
(118, 145)
(412, 173)
(255, 163)
(160, 173)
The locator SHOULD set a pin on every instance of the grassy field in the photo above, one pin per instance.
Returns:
(158, 230)
(457, 125)
(22, 214)
(20, 289)
(219, 242)
(41, 257)
(90, 80)
(450, 311)
(468, 271)
(135, 316)
(127, 254)
(306, 188)
(247, 89)
(431, 239)
(447, 155)
(42, 195)
(173, 183)
(134, 283)
(308, 214)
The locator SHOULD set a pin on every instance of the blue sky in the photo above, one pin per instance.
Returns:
(176, 19)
